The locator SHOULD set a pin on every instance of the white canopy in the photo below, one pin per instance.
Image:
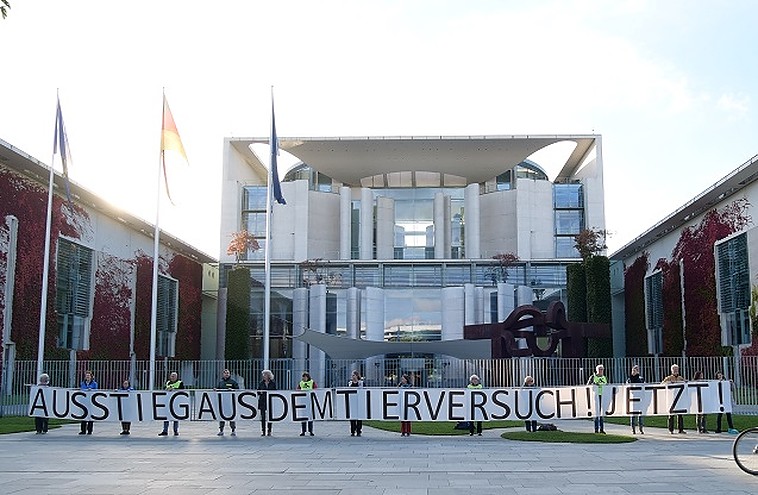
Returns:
(346, 348)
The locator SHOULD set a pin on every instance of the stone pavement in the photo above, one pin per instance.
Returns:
(332, 462)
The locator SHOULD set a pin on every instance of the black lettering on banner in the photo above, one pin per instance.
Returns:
(407, 404)
(96, 404)
(322, 411)
(613, 401)
(388, 404)
(347, 392)
(452, 404)
(434, 412)
(296, 405)
(119, 405)
(631, 399)
(206, 407)
(570, 402)
(39, 403)
(538, 402)
(368, 405)
(478, 400)
(679, 391)
(270, 396)
(504, 406)
(247, 405)
(698, 388)
(139, 406)
(56, 413)
(220, 397)
(181, 410)
(655, 389)
(157, 405)
(519, 400)
(75, 397)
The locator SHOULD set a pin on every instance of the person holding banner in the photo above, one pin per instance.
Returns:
(720, 377)
(675, 377)
(41, 424)
(405, 426)
(173, 383)
(88, 383)
(635, 377)
(266, 384)
(700, 419)
(474, 383)
(356, 425)
(126, 426)
(531, 424)
(227, 383)
(599, 380)
(306, 383)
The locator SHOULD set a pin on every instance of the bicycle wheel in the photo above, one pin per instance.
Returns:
(745, 451)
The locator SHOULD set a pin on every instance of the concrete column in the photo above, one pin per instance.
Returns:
(470, 304)
(452, 313)
(367, 224)
(385, 228)
(524, 295)
(439, 226)
(375, 331)
(317, 320)
(505, 301)
(472, 221)
(345, 222)
(353, 310)
(299, 324)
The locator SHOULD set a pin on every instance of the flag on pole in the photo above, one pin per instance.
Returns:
(60, 147)
(274, 141)
(170, 141)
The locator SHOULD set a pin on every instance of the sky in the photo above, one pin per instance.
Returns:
(670, 86)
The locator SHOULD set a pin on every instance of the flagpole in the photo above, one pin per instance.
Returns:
(156, 252)
(267, 252)
(46, 262)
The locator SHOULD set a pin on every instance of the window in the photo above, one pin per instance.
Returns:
(73, 294)
(568, 196)
(253, 218)
(654, 312)
(166, 315)
(569, 222)
(733, 290)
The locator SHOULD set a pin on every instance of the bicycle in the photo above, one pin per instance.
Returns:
(745, 451)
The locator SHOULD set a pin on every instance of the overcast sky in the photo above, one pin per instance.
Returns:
(670, 85)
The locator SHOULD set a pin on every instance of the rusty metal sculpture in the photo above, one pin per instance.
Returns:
(528, 322)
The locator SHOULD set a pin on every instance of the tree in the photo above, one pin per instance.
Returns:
(241, 242)
(590, 242)
(499, 273)
(4, 8)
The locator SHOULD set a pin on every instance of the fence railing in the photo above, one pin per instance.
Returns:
(426, 372)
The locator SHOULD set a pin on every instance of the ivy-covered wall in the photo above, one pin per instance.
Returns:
(238, 314)
(598, 272)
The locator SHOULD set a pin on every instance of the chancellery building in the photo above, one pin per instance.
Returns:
(406, 238)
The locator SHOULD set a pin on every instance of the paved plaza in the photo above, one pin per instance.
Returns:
(198, 462)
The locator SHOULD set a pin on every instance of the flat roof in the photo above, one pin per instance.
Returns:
(476, 158)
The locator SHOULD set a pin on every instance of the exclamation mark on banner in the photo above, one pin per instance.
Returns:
(589, 401)
(721, 398)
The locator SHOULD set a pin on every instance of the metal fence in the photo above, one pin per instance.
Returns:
(427, 372)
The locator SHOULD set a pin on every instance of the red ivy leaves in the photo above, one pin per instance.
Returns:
(634, 306)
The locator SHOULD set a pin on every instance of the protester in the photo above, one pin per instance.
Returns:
(267, 384)
(599, 380)
(41, 424)
(531, 424)
(675, 377)
(126, 426)
(173, 384)
(356, 425)
(405, 426)
(474, 383)
(87, 384)
(720, 377)
(700, 419)
(227, 383)
(308, 384)
(636, 419)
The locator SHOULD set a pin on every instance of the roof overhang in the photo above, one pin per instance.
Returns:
(346, 348)
(475, 158)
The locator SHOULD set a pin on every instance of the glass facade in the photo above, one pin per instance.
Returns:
(568, 203)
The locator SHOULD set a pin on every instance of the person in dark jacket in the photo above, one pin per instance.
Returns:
(227, 383)
(87, 384)
(356, 425)
(636, 419)
(126, 426)
(530, 424)
(267, 383)
(42, 424)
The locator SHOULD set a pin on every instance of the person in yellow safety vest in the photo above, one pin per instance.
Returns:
(306, 383)
(173, 383)
(474, 383)
(599, 380)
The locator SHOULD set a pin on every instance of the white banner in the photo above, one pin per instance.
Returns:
(433, 404)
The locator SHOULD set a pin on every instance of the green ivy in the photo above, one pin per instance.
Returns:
(598, 273)
(238, 314)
